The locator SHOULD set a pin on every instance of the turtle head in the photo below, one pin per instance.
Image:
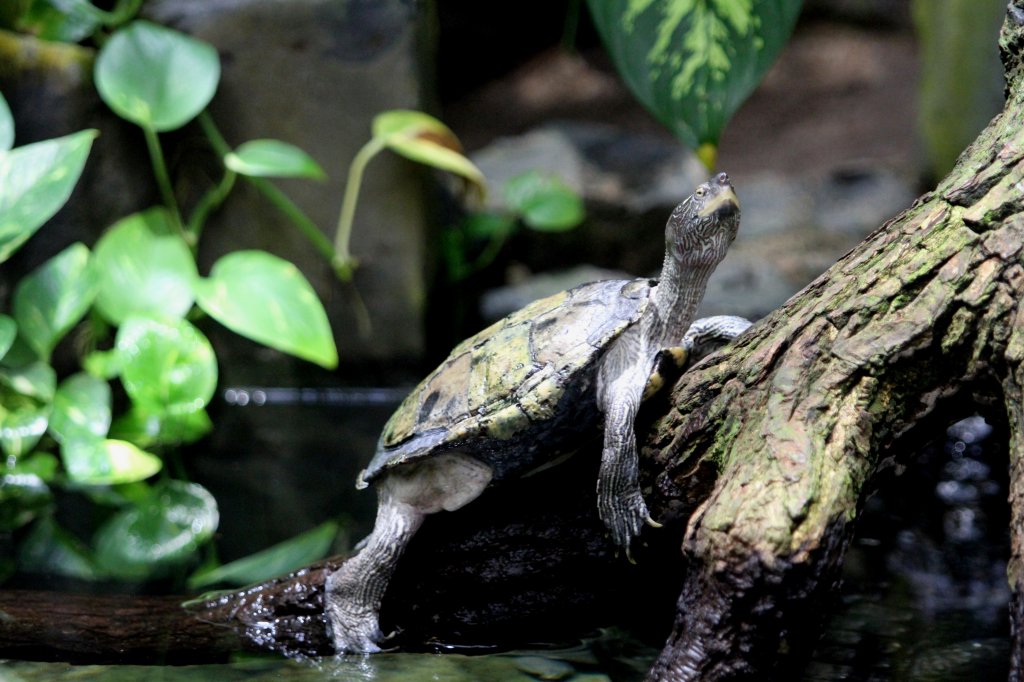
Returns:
(701, 228)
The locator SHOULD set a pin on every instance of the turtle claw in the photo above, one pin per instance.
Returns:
(356, 637)
(625, 517)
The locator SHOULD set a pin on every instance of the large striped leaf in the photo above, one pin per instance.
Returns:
(693, 62)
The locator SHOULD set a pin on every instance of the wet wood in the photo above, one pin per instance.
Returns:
(52, 626)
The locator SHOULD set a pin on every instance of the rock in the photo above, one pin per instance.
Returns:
(857, 198)
(636, 171)
(747, 286)
(794, 225)
(773, 204)
(501, 301)
(545, 149)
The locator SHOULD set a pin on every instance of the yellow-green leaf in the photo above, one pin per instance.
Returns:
(422, 138)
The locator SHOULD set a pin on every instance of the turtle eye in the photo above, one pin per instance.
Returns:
(700, 192)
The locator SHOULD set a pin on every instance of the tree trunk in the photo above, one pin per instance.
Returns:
(759, 460)
(793, 421)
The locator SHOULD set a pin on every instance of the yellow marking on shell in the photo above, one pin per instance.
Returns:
(402, 421)
(500, 365)
(505, 422)
(539, 400)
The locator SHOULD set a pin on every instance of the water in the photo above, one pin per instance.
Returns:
(923, 598)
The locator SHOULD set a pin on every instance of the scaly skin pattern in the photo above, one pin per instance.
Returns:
(506, 398)
(698, 236)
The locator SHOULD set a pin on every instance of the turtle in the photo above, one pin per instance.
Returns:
(526, 391)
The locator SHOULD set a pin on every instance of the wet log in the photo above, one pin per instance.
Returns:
(78, 628)
(759, 461)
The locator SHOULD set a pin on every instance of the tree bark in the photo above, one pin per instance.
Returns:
(795, 419)
(759, 460)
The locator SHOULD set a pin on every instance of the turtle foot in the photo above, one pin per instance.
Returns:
(351, 622)
(353, 633)
(625, 516)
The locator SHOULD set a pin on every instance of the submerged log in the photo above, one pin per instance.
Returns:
(759, 460)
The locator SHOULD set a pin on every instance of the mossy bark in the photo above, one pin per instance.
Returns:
(793, 422)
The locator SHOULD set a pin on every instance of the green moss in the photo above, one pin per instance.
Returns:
(20, 54)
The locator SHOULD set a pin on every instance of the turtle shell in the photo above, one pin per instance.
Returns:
(512, 392)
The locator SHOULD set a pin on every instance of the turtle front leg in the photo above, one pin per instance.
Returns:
(353, 593)
(709, 334)
(619, 500)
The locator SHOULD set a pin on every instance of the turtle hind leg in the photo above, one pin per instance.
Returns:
(354, 592)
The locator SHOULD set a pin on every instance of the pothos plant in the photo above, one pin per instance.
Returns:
(135, 295)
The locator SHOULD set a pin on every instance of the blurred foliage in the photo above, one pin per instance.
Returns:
(110, 431)
(961, 85)
(134, 292)
(693, 62)
(535, 200)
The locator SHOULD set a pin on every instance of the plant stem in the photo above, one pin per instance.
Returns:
(708, 154)
(282, 203)
(348, 203)
(163, 181)
(209, 203)
(286, 206)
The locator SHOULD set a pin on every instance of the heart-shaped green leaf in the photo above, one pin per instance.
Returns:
(49, 549)
(63, 21)
(53, 298)
(8, 332)
(693, 62)
(6, 126)
(422, 138)
(37, 380)
(81, 408)
(266, 299)
(40, 464)
(143, 269)
(544, 202)
(156, 77)
(149, 429)
(162, 531)
(105, 461)
(273, 159)
(23, 496)
(35, 181)
(283, 557)
(25, 404)
(166, 367)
